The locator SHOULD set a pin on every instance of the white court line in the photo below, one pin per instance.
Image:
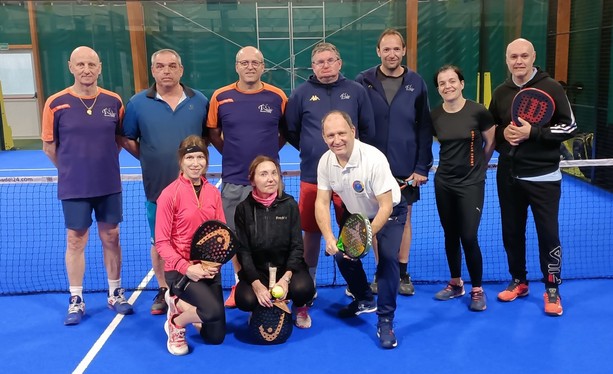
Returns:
(110, 328)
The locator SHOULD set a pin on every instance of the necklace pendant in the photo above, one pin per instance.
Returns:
(89, 112)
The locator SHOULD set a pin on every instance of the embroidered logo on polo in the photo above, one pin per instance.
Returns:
(265, 108)
(409, 87)
(314, 98)
(358, 186)
(108, 112)
(345, 96)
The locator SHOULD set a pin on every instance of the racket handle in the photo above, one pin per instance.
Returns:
(339, 245)
(272, 277)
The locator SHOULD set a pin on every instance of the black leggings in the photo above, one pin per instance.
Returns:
(301, 290)
(207, 296)
(459, 209)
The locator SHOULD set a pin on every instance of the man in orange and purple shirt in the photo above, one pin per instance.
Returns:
(80, 130)
(250, 115)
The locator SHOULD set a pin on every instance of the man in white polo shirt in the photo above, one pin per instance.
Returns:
(361, 176)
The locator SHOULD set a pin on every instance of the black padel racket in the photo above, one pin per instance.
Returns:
(355, 239)
(213, 244)
(533, 105)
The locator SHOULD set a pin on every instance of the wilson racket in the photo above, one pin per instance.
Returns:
(355, 239)
(213, 244)
(533, 105)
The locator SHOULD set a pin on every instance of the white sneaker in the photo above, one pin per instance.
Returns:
(176, 343)
(303, 319)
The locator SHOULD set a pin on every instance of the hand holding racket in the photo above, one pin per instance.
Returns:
(213, 244)
(532, 105)
(355, 239)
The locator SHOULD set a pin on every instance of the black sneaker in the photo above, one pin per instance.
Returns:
(355, 308)
(385, 332)
(159, 302)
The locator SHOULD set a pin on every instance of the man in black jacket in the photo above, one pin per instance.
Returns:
(530, 176)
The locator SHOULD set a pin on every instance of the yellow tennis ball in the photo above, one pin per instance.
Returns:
(277, 292)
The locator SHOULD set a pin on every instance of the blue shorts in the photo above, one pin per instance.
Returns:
(78, 212)
(151, 209)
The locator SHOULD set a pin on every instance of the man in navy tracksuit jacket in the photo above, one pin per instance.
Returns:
(324, 91)
(399, 97)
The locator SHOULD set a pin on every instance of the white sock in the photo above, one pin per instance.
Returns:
(76, 291)
(313, 273)
(113, 285)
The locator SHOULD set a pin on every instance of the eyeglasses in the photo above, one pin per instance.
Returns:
(245, 63)
(321, 63)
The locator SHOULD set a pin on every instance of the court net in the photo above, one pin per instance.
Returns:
(32, 234)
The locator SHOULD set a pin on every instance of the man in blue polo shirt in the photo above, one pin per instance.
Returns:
(156, 122)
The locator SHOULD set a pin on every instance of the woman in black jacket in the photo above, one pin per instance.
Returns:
(268, 227)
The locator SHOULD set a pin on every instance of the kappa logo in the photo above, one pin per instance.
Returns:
(265, 108)
(409, 87)
(314, 98)
(345, 96)
(108, 112)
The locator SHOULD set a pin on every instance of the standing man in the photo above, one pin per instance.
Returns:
(156, 122)
(244, 121)
(80, 133)
(530, 177)
(399, 97)
(361, 175)
(327, 89)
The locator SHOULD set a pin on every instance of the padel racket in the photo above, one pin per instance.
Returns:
(213, 244)
(355, 239)
(533, 105)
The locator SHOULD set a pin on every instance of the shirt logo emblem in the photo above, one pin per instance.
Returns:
(265, 108)
(108, 112)
(409, 87)
(345, 96)
(314, 98)
(358, 186)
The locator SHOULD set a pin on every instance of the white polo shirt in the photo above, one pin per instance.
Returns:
(366, 175)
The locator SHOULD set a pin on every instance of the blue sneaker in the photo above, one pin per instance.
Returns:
(76, 309)
(355, 308)
(385, 332)
(118, 302)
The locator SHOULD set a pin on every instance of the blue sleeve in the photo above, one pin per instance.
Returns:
(424, 132)
(293, 120)
(366, 118)
(130, 122)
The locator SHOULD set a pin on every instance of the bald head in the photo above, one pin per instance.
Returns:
(84, 52)
(520, 59)
(249, 52)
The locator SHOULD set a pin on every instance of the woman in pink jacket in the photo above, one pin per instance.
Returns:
(182, 206)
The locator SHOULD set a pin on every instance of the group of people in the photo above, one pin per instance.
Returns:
(365, 147)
